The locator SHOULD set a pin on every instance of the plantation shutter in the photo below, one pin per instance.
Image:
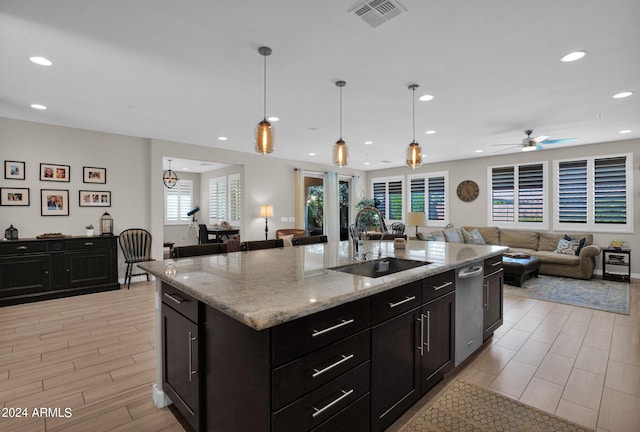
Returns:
(502, 198)
(380, 196)
(610, 193)
(530, 193)
(572, 192)
(436, 198)
(417, 191)
(217, 199)
(178, 202)
(235, 198)
(395, 200)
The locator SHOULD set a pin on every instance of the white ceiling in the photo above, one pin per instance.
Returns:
(190, 72)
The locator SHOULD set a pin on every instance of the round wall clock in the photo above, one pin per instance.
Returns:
(468, 190)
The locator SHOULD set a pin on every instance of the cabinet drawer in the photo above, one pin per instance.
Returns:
(395, 302)
(88, 243)
(438, 285)
(317, 368)
(298, 337)
(492, 265)
(14, 248)
(323, 403)
(180, 302)
(354, 418)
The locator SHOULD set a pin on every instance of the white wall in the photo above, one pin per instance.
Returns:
(475, 213)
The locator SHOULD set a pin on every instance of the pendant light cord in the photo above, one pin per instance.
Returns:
(413, 98)
(265, 87)
(340, 113)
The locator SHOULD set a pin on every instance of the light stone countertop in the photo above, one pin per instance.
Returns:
(264, 288)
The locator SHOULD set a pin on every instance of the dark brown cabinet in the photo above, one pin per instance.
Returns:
(438, 340)
(492, 296)
(181, 361)
(41, 269)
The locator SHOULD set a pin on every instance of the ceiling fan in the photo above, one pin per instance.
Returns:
(530, 144)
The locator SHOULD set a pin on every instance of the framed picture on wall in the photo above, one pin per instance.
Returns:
(57, 173)
(94, 175)
(14, 196)
(95, 198)
(14, 170)
(54, 202)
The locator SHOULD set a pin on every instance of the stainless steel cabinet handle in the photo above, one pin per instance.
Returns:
(344, 358)
(191, 371)
(88, 244)
(421, 346)
(337, 326)
(444, 285)
(406, 299)
(319, 411)
(174, 298)
(22, 248)
(428, 331)
(497, 263)
(486, 295)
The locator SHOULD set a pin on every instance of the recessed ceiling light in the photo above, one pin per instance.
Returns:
(625, 131)
(573, 56)
(222, 138)
(312, 154)
(623, 94)
(38, 106)
(425, 97)
(185, 169)
(479, 151)
(368, 142)
(273, 119)
(367, 163)
(41, 61)
(430, 132)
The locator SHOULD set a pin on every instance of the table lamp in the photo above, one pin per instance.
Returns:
(417, 219)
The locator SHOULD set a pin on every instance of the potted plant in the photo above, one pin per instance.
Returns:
(89, 230)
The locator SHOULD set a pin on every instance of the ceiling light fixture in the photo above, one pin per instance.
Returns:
(340, 151)
(626, 131)
(38, 106)
(169, 178)
(222, 138)
(430, 132)
(41, 61)
(414, 152)
(264, 132)
(368, 142)
(623, 94)
(573, 56)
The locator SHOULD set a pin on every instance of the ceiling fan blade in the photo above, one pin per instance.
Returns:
(558, 141)
(539, 147)
(540, 138)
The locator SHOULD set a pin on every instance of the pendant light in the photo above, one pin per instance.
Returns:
(264, 131)
(414, 152)
(169, 178)
(340, 151)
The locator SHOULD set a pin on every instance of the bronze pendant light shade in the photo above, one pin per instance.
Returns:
(264, 131)
(340, 151)
(414, 152)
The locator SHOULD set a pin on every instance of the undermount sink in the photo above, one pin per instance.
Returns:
(380, 267)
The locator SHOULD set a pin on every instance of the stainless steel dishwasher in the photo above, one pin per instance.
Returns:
(469, 310)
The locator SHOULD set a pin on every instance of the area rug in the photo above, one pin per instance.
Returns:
(467, 407)
(597, 294)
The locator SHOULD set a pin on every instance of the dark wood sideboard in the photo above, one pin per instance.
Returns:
(41, 269)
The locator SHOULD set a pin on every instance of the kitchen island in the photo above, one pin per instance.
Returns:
(279, 340)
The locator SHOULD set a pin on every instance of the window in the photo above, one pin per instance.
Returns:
(592, 194)
(225, 199)
(387, 194)
(517, 196)
(178, 202)
(427, 193)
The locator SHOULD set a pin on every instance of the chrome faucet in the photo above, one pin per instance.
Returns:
(359, 234)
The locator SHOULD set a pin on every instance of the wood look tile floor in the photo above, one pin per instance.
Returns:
(95, 355)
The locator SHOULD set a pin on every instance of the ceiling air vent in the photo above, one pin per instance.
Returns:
(377, 12)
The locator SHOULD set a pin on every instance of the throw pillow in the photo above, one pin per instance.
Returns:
(436, 236)
(567, 247)
(286, 240)
(473, 237)
(582, 242)
(453, 235)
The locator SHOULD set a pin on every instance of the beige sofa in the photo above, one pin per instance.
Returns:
(540, 244)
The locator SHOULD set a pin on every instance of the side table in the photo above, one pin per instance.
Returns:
(616, 264)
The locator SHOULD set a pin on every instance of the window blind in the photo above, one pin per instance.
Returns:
(572, 191)
(436, 198)
(380, 197)
(502, 194)
(178, 202)
(395, 200)
(530, 193)
(235, 198)
(417, 194)
(217, 199)
(610, 191)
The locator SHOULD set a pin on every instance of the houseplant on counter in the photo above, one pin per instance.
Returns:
(89, 230)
